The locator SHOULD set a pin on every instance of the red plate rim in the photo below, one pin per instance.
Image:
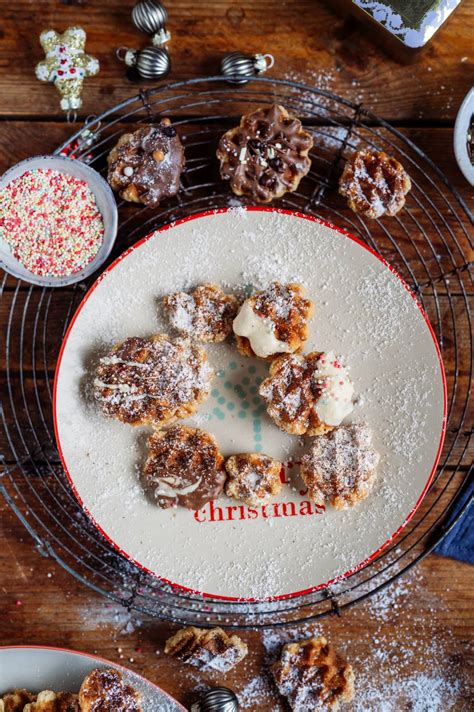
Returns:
(52, 648)
(294, 213)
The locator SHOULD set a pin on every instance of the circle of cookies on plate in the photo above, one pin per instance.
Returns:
(152, 380)
(266, 155)
(273, 321)
(308, 394)
(205, 314)
(145, 166)
(374, 183)
(341, 466)
(184, 467)
(253, 478)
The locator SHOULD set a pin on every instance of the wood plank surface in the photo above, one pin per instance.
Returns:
(310, 43)
(411, 640)
(411, 645)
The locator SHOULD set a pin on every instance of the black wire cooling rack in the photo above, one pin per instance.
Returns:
(429, 243)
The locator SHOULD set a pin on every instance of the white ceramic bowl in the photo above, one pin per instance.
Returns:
(39, 668)
(105, 202)
(463, 119)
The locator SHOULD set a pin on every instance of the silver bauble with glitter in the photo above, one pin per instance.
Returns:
(217, 699)
(151, 17)
(151, 62)
(239, 68)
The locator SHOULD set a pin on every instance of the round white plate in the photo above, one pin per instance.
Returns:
(363, 311)
(36, 668)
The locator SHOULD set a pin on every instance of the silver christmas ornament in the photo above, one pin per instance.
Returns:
(239, 68)
(151, 17)
(151, 62)
(217, 699)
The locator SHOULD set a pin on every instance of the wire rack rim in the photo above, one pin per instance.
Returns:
(138, 592)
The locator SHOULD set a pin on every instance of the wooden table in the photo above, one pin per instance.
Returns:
(407, 645)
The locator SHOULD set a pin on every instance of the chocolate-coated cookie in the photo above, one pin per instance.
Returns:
(145, 166)
(267, 155)
(184, 467)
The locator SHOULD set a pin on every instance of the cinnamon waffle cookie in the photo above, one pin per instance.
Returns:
(49, 701)
(106, 691)
(205, 314)
(273, 321)
(15, 701)
(266, 155)
(206, 649)
(252, 478)
(341, 466)
(308, 394)
(184, 467)
(153, 380)
(312, 676)
(374, 184)
(145, 166)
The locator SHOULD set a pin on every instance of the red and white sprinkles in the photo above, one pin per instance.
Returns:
(51, 222)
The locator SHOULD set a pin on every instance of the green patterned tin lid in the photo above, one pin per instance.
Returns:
(413, 22)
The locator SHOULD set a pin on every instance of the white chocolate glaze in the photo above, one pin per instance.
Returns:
(335, 401)
(260, 331)
(168, 487)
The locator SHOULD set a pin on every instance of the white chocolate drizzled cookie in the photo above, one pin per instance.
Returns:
(152, 381)
(308, 394)
(273, 321)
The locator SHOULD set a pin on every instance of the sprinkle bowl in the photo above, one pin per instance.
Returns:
(105, 202)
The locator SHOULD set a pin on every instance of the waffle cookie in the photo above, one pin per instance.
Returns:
(15, 701)
(273, 321)
(374, 184)
(308, 394)
(106, 691)
(252, 478)
(184, 467)
(205, 314)
(49, 701)
(152, 381)
(206, 649)
(266, 155)
(341, 466)
(145, 166)
(312, 676)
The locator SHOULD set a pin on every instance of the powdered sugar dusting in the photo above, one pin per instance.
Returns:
(362, 311)
(409, 665)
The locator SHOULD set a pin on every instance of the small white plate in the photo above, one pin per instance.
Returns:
(363, 311)
(105, 202)
(36, 668)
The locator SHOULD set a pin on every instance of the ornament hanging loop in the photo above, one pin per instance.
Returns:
(120, 53)
(71, 116)
(269, 61)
